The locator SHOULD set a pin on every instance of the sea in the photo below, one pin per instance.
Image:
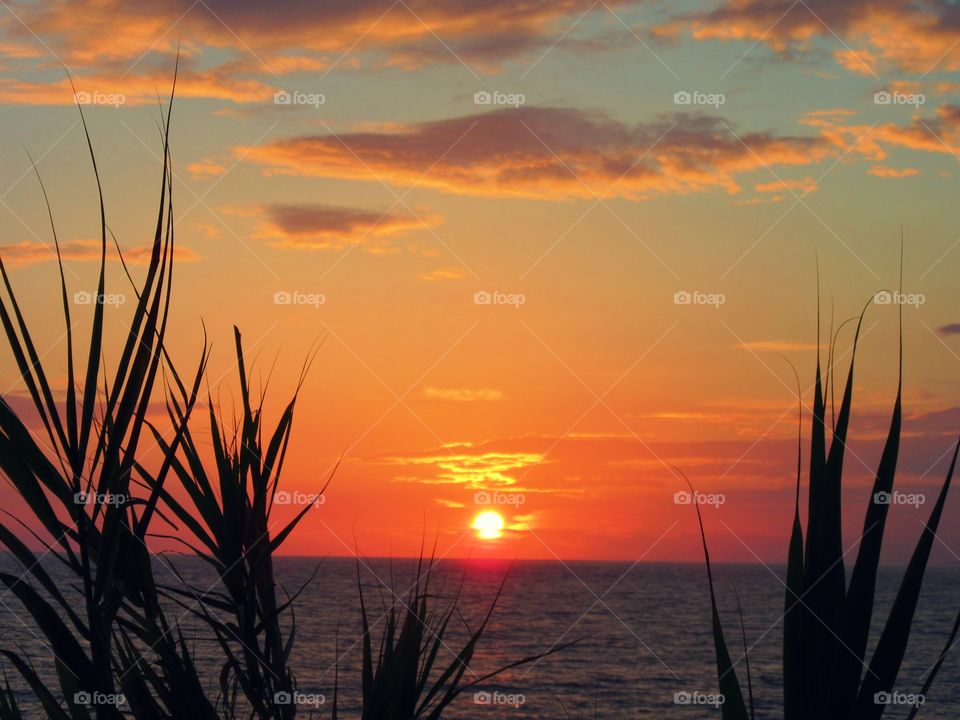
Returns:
(632, 640)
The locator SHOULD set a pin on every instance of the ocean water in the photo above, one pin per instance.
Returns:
(643, 635)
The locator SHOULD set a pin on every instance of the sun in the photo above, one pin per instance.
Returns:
(489, 525)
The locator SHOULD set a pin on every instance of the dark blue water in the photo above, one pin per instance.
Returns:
(643, 635)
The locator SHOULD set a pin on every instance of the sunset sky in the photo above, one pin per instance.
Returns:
(365, 174)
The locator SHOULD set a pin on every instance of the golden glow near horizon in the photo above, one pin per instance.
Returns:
(489, 525)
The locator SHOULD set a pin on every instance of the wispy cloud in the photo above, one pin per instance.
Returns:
(444, 273)
(805, 185)
(206, 168)
(230, 81)
(30, 252)
(463, 394)
(905, 35)
(884, 171)
(406, 34)
(325, 227)
(936, 133)
(472, 469)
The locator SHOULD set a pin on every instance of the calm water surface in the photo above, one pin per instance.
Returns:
(643, 634)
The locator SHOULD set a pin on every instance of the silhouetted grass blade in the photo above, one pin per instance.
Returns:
(858, 607)
(885, 665)
(793, 669)
(733, 707)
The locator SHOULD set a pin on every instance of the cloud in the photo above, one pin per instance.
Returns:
(229, 81)
(463, 394)
(903, 34)
(558, 153)
(542, 152)
(473, 470)
(325, 227)
(29, 252)
(141, 255)
(114, 48)
(937, 134)
(949, 329)
(805, 186)
(888, 172)
(206, 168)
(407, 34)
(860, 61)
(445, 273)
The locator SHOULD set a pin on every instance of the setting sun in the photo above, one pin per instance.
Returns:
(489, 525)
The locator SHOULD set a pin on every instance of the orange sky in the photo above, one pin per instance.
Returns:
(550, 249)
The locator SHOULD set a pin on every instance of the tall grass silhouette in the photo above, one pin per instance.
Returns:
(827, 620)
(76, 479)
(112, 629)
(228, 518)
(400, 678)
